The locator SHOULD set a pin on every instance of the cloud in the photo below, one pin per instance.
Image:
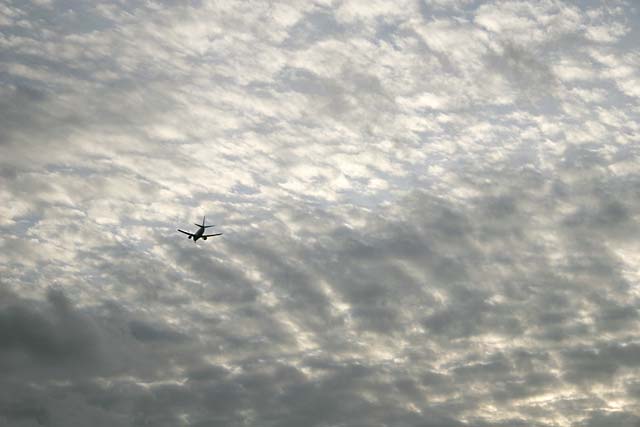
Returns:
(57, 336)
(526, 73)
(429, 214)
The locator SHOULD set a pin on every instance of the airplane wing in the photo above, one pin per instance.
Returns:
(211, 235)
(187, 233)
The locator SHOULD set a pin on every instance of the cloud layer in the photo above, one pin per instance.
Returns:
(430, 213)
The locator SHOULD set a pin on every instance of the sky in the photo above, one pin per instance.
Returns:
(430, 213)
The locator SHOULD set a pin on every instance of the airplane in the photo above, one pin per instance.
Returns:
(200, 233)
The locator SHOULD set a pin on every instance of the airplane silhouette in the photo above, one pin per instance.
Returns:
(200, 233)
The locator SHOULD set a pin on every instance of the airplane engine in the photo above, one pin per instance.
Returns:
(204, 238)
(189, 237)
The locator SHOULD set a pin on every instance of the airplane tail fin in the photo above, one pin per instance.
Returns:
(202, 225)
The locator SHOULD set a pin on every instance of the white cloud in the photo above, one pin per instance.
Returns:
(607, 33)
(529, 22)
(354, 10)
(572, 71)
(432, 201)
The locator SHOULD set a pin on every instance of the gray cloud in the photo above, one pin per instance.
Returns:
(429, 214)
(56, 336)
(529, 76)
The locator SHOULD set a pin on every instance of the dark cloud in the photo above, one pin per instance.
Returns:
(526, 69)
(314, 27)
(55, 334)
(602, 419)
(599, 363)
(352, 96)
(145, 332)
(21, 108)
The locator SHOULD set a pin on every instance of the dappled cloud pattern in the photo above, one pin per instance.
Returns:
(430, 213)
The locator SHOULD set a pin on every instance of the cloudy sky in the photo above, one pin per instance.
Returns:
(430, 212)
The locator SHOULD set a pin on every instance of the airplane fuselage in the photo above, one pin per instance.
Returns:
(198, 234)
